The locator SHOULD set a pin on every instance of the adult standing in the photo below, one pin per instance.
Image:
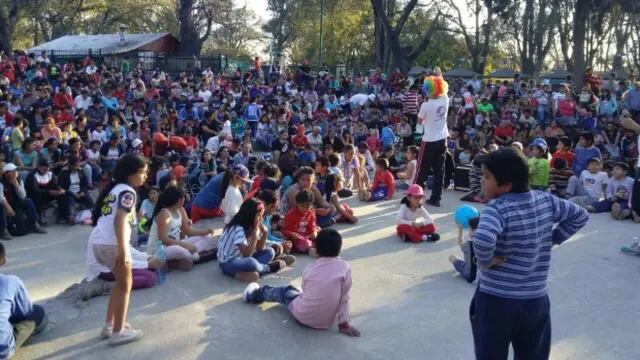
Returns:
(433, 117)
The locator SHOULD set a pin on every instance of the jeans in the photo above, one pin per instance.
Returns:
(254, 128)
(497, 322)
(379, 193)
(283, 295)
(31, 325)
(605, 205)
(258, 262)
(25, 205)
(542, 115)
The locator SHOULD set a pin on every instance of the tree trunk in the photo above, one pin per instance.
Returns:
(379, 43)
(190, 41)
(8, 18)
(580, 16)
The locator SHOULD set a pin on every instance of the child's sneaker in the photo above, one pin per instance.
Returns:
(615, 211)
(125, 336)
(433, 237)
(107, 330)
(276, 265)
(249, 292)
(288, 259)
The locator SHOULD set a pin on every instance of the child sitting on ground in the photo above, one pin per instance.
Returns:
(19, 318)
(467, 267)
(407, 177)
(585, 151)
(593, 183)
(414, 224)
(617, 194)
(326, 287)
(383, 186)
(559, 178)
(333, 186)
(270, 220)
(300, 224)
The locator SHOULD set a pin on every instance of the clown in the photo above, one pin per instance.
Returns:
(433, 117)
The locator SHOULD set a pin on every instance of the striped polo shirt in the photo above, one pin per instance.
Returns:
(520, 227)
(410, 103)
(228, 244)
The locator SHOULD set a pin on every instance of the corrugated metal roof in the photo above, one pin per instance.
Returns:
(106, 43)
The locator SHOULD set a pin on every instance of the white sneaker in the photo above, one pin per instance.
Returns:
(249, 290)
(107, 330)
(125, 336)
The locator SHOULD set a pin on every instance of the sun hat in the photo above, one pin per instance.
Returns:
(415, 190)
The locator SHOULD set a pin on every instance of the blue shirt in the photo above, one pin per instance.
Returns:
(15, 306)
(252, 112)
(583, 155)
(520, 227)
(209, 195)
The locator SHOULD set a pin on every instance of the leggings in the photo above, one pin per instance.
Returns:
(415, 233)
(142, 278)
(177, 252)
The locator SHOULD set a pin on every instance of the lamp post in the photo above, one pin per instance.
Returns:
(321, 33)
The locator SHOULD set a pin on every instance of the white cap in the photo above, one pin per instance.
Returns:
(9, 167)
(135, 143)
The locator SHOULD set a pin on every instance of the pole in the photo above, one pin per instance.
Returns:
(321, 33)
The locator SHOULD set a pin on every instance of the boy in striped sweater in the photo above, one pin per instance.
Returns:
(512, 245)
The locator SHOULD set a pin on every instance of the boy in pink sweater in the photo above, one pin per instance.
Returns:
(326, 288)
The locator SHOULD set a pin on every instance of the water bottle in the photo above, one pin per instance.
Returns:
(161, 272)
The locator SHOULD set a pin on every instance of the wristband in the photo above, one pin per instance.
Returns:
(344, 326)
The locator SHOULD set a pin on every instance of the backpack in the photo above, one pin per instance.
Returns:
(18, 225)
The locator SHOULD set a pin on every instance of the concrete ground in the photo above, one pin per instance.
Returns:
(406, 300)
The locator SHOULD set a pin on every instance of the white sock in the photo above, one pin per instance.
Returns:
(424, 237)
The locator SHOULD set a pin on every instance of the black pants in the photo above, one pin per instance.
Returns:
(497, 322)
(30, 326)
(431, 158)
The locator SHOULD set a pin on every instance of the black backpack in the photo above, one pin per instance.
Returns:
(18, 225)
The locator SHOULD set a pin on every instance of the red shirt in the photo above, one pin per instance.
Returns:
(61, 100)
(567, 156)
(299, 141)
(384, 178)
(296, 222)
(63, 118)
(503, 131)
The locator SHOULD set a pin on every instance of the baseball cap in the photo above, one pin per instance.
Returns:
(240, 171)
(179, 171)
(415, 190)
(9, 167)
(135, 143)
(541, 143)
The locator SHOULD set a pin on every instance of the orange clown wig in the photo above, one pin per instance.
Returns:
(435, 86)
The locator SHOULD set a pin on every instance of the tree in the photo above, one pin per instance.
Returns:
(402, 56)
(196, 19)
(237, 28)
(281, 25)
(10, 11)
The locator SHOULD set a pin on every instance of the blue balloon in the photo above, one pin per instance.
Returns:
(464, 213)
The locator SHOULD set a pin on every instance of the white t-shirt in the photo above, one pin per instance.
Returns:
(407, 216)
(122, 196)
(74, 185)
(231, 203)
(360, 99)
(433, 115)
(593, 184)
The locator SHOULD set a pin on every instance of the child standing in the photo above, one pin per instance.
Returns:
(233, 180)
(539, 165)
(407, 177)
(511, 305)
(326, 288)
(19, 318)
(414, 224)
(382, 187)
(300, 224)
(467, 267)
(617, 195)
(112, 216)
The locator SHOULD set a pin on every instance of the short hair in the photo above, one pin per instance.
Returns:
(622, 165)
(334, 159)
(508, 166)
(303, 197)
(565, 141)
(328, 243)
(324, 162)
(413, 149)
(270, 170)
(383, 163)
(473, 222)
(594, 160)
(587, 136)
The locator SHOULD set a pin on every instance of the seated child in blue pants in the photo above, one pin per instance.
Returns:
(467, 267)
(326, 287)
(383, 184)
(512, 244)
(19, 318)
(617, 194)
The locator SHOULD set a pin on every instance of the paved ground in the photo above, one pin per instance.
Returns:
(406, 300)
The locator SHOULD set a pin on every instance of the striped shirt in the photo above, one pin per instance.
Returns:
(410, 103)
(520, 227)
(228, 245)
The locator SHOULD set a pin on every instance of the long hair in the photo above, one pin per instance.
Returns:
(169, 196)
(330, 185)
(246, 216)
(224, 185)
(267, 196)
(127, 165)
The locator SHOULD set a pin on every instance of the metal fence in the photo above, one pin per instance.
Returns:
(150, 61)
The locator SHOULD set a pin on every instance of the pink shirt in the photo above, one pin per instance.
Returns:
(326, 287)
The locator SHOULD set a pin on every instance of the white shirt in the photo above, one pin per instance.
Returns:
(360, 99)
(205, 95)
(314, 141)
(213, 144)
(433, 116)
(231, 203)
(593, 184)
(74, 179)
(80, 102)
(407, 216)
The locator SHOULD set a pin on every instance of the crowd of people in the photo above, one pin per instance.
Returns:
(276, 156)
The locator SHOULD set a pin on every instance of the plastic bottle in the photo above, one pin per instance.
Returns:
(161, 272)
